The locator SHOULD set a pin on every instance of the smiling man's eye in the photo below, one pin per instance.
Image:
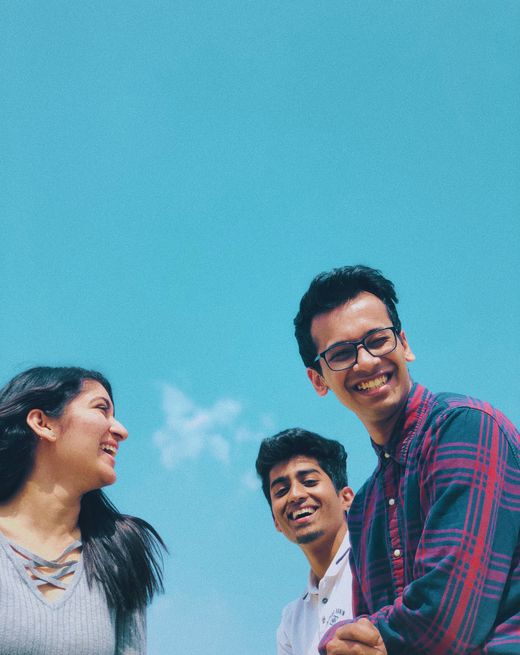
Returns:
(341, 353)
(378, 341)
(310, 482)
(280, 492)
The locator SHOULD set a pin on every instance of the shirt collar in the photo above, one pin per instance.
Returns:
(406, 426)
(335, 567)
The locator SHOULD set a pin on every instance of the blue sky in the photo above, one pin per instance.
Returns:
(175, 173)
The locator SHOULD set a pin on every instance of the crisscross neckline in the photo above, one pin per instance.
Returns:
(59, 568)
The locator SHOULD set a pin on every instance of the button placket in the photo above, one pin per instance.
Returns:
(391, 481)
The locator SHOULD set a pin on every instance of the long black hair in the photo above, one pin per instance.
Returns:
(121, 553)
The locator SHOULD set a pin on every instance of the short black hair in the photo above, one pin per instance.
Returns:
(330, 455)
(332, 289)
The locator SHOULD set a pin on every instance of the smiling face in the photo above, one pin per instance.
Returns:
(375, 388)
(86, 437)
(306, 507)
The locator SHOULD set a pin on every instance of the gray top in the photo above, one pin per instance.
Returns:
(79, 621)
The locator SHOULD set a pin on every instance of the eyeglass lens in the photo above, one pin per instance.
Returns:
(377, 344)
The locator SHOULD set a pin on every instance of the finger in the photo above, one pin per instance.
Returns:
(362, 631)
(347, 647)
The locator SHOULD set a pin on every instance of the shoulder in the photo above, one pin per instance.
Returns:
(293, 609)
(447, 403)
(461, 426)
(448, 411)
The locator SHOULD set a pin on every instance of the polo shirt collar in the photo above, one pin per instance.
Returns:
(335, 567)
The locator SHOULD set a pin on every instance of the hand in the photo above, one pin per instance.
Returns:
(358, 638)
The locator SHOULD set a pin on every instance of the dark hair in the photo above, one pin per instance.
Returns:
(122, 553)
(330, 455)
(330, 290)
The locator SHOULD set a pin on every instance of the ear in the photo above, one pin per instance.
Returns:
(408, 354)
(317, 382)
(346, 495)
(40, 424)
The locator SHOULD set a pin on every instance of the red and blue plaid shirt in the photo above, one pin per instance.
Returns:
(435, 531)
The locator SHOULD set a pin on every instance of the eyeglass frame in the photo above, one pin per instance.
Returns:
(356, 344)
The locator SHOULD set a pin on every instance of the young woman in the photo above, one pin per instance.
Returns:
(75, 574)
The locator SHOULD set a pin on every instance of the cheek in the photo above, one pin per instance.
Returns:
(96, 424)
(276, 521)
(336, 382)
(87, 432)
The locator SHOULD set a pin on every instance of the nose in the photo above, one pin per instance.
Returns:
(365, 361)
(297, 491)
(118, 430)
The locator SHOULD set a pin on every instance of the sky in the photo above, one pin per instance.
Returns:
(174, 174)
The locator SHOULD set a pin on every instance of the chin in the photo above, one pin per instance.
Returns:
(309, 537)
(106, 481)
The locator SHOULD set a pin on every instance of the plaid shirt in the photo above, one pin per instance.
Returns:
(435, 531)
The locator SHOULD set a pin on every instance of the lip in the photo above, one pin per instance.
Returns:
(376, 390)
(113, 444)
(304, 519)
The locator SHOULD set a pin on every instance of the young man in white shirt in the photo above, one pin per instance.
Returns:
(304, 478)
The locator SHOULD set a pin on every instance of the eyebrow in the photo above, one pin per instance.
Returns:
(299, 474)
(104, 399)
(337, 343)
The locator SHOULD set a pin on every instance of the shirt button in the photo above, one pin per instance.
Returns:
(397, 552)
(391, 502)
(324, 600)
(387, 455)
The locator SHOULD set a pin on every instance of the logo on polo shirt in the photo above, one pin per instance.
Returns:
(336, 616)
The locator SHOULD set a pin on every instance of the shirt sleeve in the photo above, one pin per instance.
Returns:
(131, 633)
(358, 602)
(467, 479)
(283, 640)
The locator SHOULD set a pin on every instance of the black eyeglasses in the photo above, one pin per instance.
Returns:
(344, 354)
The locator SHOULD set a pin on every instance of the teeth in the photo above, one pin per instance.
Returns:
(111, 450)
(373, 384)
(304, 511)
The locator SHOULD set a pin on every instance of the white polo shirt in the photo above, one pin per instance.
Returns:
(306, 619)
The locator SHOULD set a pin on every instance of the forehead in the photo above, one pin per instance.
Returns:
(91, 389)
(350, 321)
(291, 467)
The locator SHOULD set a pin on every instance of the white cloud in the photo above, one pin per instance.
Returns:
(244, 433)
(219, 447)
(190, 431)
(250, 481)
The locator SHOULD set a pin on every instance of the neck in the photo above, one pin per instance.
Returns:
(321, 552)
(44, 519)
(380, 432)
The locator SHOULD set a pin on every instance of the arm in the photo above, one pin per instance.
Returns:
(283, 640)
(468, 477)
(283, 645)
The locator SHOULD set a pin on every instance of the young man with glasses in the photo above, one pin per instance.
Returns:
(435, 529)
(304, 479)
